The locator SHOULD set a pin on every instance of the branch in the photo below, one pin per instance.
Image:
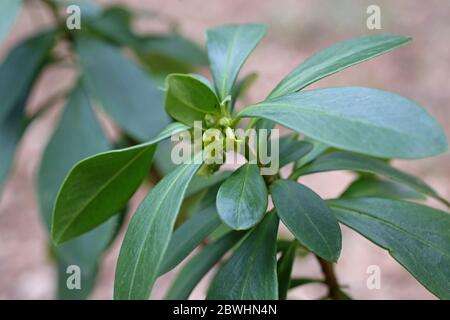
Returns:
(330, 279)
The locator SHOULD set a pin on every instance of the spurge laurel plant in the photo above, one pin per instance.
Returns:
(347, 128)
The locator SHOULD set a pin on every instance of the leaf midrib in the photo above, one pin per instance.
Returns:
(141, 247)
(330, 115)
(99, 191)
(395, 227)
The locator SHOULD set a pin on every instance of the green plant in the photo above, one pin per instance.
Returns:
(348, 128)
(125, 87)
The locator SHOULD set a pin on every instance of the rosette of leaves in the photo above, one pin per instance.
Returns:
(348, 128)
(123, 86)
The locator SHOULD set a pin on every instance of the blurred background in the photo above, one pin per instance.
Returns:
(296, 29)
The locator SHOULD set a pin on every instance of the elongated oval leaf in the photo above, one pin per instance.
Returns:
(108, 75)
(190, 234)
(79, 129)
(149, 233)
(189, 99)
(416, 236)
(242, 198)
(284, 269)
(336, 58)
(308, 217)
(250, 273)
(200, 264)
(99, 186)
(371, 186)
(84, 252)
(363, 120)
(228, 48)
(292, 149)
(17, 74)
(360, 163)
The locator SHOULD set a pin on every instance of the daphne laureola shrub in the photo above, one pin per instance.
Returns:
(346, 128)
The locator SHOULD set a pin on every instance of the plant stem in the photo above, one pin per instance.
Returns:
(330, 278)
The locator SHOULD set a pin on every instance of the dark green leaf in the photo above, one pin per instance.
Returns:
(336, 58)
(355, 162)
(84, 252)
(191, 233)
(99, 186)
(363, 120)
(308, 217)
(170, 53)
(149, 233)
(108, 75)
(8, 12)
(242, 198)
(189, 99)
(296, 282)
(114, 23)
(200, 264)
(241, 88)
(284, 269)
(79, 129)
(228, 48)
(317, 149)
(250, 273)
(371, 186)
(291, 149)
(17, 74)
(416, 236)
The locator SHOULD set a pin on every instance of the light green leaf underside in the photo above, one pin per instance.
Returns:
(336, 58)
(360, 163)
(228, 48)
(149, 233)
(418, 237)
(363, 120)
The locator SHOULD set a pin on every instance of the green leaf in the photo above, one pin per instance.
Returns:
(189, 99)
(336, 58)
(99, 186)
(108, 75)
(242, 198)
(200, 264)
(228, 48)
(308, 217)
(291, 149)
(318, 148)
(8, 12)
(148, 235)
(296, 282)
(191, 233)
(113, 23)
(416, 236)
(250, 273)
(11, 131)
(17, 74)
(355, 162)
(284, 269)
(84, 252)
(371, 186)
(20, 68)
(363, 120)
(170, 53)
(79, 129)
(241, 88)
